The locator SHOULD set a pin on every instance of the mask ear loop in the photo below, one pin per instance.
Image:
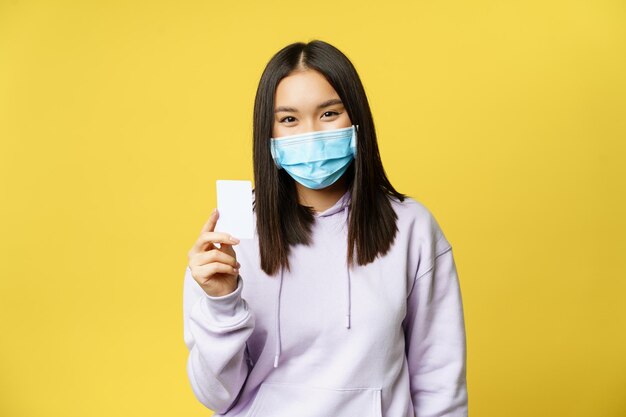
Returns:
(354, 139)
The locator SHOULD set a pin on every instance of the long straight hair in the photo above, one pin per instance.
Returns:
(281, 220)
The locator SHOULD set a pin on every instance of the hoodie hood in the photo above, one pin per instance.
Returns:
(342, 206)
(339, 206)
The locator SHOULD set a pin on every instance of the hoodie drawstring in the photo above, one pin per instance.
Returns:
(280, 287)
(278, 344)
(349, 292)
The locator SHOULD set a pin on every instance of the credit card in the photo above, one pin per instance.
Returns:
(234, 203)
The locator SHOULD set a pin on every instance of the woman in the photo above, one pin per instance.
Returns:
(347, 302)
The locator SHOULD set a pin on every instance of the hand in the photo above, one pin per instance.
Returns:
(215, 269)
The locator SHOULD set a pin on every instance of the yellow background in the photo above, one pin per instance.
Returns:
(506, 119)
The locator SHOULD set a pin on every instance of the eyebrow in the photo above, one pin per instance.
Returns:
(327, 103)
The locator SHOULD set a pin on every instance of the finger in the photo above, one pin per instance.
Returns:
(214, 255)
(213, 268)
(209, 226)
(206, 240)
(227, 248)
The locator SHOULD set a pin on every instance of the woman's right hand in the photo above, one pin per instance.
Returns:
(215, 269)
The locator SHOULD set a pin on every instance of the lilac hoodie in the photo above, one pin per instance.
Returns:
(322, 340)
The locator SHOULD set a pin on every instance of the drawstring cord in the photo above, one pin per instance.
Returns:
(349, 292)
(280, 287)
(278, 344)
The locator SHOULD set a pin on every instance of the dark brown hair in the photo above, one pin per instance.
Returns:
(281, 220)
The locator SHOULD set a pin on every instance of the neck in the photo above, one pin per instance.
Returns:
(323, 199)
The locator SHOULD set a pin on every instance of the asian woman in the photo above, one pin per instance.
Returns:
(346, 303)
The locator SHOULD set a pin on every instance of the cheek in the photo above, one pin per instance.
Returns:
(279, 130)
(344, 116)
(345, 120)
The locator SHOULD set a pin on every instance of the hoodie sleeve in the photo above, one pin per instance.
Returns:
(435, 338)
(216, 330)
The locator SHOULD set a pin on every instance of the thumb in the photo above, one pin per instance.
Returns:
(209, 226)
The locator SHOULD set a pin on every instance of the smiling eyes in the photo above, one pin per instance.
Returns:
(291, 119)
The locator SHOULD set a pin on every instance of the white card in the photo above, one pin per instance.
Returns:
(234, 203)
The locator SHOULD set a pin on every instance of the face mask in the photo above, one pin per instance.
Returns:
(316, 159)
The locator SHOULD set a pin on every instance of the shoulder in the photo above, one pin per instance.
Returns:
(421, 224)
(410, 209)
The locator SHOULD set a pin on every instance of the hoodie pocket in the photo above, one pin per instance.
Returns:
(288, 400)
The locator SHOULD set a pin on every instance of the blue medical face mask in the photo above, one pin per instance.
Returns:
(316, 159)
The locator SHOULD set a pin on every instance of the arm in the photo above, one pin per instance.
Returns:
(435, 341)
(215, 331)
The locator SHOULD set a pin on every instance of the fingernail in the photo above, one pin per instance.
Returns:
(238, 265)
(234, 239)
(235, 270)
(213, 212)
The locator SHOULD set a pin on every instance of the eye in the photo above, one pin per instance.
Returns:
(330, 113)
(291, 119)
